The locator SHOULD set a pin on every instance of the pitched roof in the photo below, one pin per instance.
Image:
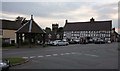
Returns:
(10, 25)
(88, 26)
(30, 27)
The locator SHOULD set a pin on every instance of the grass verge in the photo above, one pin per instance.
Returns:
(9, 47)
(15, 60)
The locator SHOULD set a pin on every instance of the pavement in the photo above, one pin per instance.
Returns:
(75, 56)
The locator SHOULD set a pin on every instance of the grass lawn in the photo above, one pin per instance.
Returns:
(15, 60)
(9, 47)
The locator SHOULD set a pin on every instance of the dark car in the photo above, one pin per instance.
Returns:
(72, 42)
(4, 65)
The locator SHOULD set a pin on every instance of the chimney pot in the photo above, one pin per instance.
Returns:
(32, 17)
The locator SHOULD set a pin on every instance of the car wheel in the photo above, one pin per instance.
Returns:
(57, 45)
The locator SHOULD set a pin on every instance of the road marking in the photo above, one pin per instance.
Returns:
(67, 53)
(25, 57)
(40, 56)
(62, 54)
(94, 55)
(55, 54)
(48, 55)
(91, 55)
(73, 53)
(32, 56)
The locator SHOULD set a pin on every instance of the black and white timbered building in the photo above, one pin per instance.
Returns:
(92, 29)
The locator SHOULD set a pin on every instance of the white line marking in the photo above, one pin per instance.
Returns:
(55, 54)
(32, 57)
(25, 57)
(73, 53)
(94, 55)
(91, 55)
(40, 56)
(67, 53)
(62, 54)
(48, 55)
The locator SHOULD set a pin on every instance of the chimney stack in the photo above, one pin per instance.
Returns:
(92, 19)
(31, 17)
(66, 21)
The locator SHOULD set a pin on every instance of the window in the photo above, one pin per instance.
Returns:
(96, 34)
(72, 31)
(72, 34)
(91, 31)
(64, 34)
(96, 31)
(104, 35)
(77, 34)
(109, 35)
(83, 34)
(81, 31)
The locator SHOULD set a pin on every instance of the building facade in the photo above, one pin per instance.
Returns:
(55, 34)
(18, 31)
(91, 29)
(8, 30)
(115, 37)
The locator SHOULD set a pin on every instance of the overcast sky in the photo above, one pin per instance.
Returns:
(48, 13)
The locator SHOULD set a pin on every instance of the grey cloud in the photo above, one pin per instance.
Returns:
(46, 10)
(41, 9)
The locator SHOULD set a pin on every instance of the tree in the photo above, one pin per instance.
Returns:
(19, 18)
(60, 29)
(47, 30)
(22, 20)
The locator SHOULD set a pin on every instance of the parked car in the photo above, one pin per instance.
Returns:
(108, 41)
(72, 42)
(90, 41)
(99, 41)
(60, 42)
(77, 41)
(50, 43)
(4, 65)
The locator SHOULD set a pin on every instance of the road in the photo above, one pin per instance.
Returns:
(76, 56)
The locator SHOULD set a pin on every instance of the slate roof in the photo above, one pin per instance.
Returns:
(88, 26)
(10, 25)
(30, 27)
